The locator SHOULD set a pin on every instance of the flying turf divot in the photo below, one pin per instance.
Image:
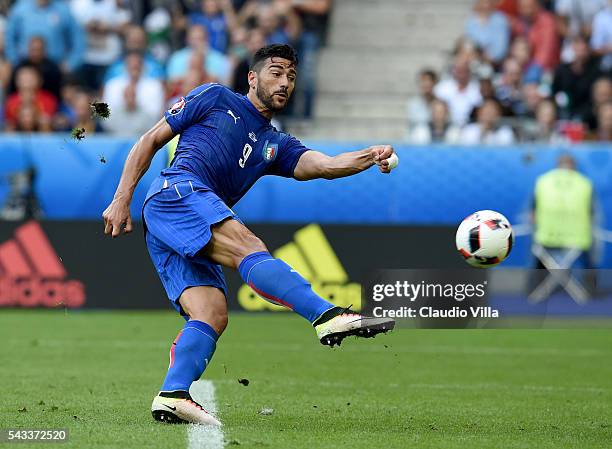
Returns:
(204, 437)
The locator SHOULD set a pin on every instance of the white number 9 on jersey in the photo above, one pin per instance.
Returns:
(246, 152)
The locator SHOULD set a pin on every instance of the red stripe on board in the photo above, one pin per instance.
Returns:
(39, 250)
(13, 261)
(274, 299)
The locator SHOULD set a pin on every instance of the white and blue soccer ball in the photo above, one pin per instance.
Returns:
(485, 238)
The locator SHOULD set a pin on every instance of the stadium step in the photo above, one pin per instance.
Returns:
(364, 130)
(420, 18)
(360, 106)
(403, 42)
(381, 72)
(368, 70)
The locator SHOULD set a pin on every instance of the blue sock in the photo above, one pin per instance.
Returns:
(190, 353)
(277, 282)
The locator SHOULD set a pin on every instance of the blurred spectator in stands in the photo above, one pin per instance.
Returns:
(544, 129)
(52, 21)
(136, 41)
(601, 39)
(438, 129)
(5, 6)
(509, 88)
(83, 116)
(277, 19)
(75, 110)
(532, 96)
(486, 86)
(219, 19)
(5, 66)
(520, 50)
(135, 100)
(65, 117)
(29, 93)
(178, 11)
(489, 30)
(255, 40)
(601, 93)
(104, 21)
(573, 81)
(509, 8)
(575, 19)
(197, 54)
(158, 27)
(29, 120)
(487, 130)
(540, 28)
(314, 16)
(49, 70)
(460, 92)
(603, 133)
(485, 83)
(467, 51)
(238, 45)
(419, 106)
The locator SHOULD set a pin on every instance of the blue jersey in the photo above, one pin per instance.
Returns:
(226, 143)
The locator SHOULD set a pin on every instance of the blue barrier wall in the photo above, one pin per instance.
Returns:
(432, 185)
(71, 180)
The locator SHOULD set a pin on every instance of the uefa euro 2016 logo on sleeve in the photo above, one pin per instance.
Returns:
(177, 107)
(269, 151)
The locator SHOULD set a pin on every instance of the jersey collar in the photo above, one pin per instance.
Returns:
(253, 109)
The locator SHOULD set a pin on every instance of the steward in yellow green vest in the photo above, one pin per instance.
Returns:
(563, 206)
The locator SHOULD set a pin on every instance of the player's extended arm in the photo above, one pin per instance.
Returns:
(117, 217)
(313, 165)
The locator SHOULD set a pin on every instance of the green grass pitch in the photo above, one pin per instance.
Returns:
(97, 372)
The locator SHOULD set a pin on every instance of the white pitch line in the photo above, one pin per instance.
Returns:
(204, 437)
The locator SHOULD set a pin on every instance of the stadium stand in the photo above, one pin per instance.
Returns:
(183, 43)
(549, 92)
(367, 71)
(361, 61)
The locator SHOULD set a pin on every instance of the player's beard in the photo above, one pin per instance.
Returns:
(267, 99)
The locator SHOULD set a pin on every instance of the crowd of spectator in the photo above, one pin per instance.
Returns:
(523, 71)
(59, 56)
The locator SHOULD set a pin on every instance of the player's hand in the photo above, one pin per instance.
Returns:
(117, 219)
(380, 155)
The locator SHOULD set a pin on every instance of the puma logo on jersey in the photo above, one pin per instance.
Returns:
(230, 112)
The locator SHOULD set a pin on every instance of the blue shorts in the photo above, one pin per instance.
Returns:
(177, 219)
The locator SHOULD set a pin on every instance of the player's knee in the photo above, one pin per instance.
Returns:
(222, 320)
(206, 304)
(249, 244)
(217, 319)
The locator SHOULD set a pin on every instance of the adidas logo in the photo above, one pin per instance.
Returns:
(311, 255)
(32, 274)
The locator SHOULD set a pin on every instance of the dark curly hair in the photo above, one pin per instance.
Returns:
(274, 51)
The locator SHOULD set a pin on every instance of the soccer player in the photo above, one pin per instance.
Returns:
(226, 144)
